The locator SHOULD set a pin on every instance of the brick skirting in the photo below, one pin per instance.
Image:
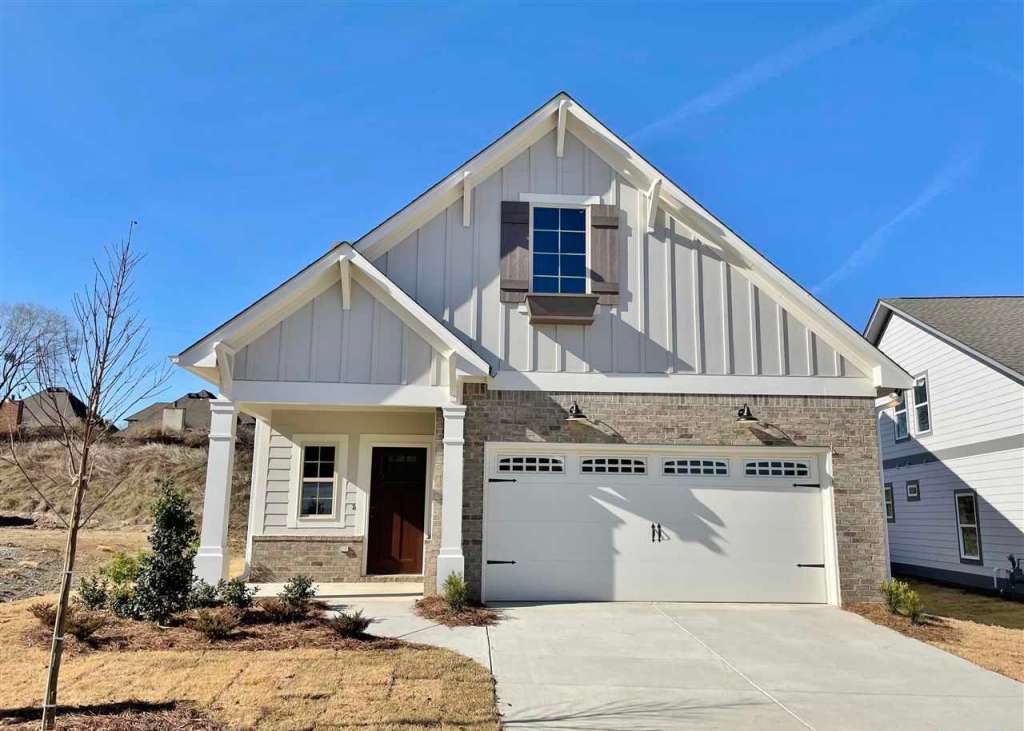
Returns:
(324, 558)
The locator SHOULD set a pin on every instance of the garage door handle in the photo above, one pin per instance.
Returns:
(502, 479)
(806, 484)
(660, 537)
(811, 565)
(492, 562)
(653, 533)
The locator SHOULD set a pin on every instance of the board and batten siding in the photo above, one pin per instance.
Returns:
(970, 404)
(683, 309)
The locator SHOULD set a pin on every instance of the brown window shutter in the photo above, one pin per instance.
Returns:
(604, 253)
(515, 251)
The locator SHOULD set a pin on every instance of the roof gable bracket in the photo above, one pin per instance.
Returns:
(467, 198)
(652, 204)
(225, 359)
(563, 108)
(345, 273)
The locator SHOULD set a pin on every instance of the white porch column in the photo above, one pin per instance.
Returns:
(450, 559)
(212, 558)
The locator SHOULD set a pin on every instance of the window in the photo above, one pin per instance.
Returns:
(695, 467)
(967, 526)
(776, 468)
(913, 491)
(613, 465)
(318, 480)
(922, 410)
(890, 506)
(901, 426)
(559, 250)
(531, 464)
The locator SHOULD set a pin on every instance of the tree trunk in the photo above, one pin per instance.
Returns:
(57, 648)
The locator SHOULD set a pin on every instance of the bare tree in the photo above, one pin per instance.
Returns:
(105, 360)
(29, 336)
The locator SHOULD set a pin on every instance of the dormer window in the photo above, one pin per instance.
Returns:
(559, 250)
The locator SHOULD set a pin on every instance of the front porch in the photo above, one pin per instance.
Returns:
(346, 494)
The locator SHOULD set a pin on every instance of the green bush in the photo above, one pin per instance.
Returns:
(216, 623)
(123, 569)
(455, 591)
(204, 596)
(900, 598)
(94, 592)
(350, 625)
(299, 591)
(236, 593)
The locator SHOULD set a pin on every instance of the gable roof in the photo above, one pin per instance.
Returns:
(561, 112)
(991, 328)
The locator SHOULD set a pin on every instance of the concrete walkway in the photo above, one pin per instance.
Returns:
(682, 666)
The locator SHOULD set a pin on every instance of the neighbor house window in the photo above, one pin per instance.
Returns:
(890, 506)
(913, 490)
(318, 480)
(967, 526)
(614, 465)
(902, 426)
(559, 250)
(922, 409)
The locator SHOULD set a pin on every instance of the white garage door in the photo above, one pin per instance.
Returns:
(595, 524)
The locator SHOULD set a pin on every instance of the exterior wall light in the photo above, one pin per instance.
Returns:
(576, 413)
(746, 416)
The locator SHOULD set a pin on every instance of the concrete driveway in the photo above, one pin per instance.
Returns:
(700, 666)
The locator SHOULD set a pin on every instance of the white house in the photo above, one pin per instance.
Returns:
(953, 447)
(555, 373)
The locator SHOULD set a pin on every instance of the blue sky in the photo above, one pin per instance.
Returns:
(869, 150)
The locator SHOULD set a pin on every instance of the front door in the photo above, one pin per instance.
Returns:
(398, 484)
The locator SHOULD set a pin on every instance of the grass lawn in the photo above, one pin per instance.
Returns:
(396, 686)
(985, 630)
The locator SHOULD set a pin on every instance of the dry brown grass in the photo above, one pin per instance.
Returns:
(401, 686)
(947, 601)
(997, 648)
(437, 609)
(129, 716)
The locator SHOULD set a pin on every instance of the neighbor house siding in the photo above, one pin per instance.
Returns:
(683, 308)
(979, 414)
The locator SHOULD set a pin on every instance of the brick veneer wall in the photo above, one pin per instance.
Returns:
(324, 558)
(846, 425)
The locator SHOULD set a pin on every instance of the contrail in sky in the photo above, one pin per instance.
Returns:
(770, 67)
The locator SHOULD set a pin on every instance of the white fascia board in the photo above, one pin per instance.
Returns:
(306, 393)
(683, 383)
(412, 312)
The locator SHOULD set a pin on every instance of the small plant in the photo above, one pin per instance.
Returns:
(913, 606)
(45, 612)
(900, 598)
(350, 625)
(94, 592)
(891, 590)
(123, 568)
(299, 591)
(203, 595)
(236, 593)
(456, 592)
(165, 577)
(79, 622)
(216, 623)
(279, 612)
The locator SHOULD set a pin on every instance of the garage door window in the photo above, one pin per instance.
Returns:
(531, 463)
(695, 467)
(613, 465)
(776, 468)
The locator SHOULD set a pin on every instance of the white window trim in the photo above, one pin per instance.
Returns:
(917, 487)
(960, 526)
(927, 404)
(904, 405)
(336, 519)
(586, 244)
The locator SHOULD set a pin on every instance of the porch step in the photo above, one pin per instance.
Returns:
(352, 588)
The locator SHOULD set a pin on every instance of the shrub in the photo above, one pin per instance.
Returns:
(216, 623)
(900, 598)
(94, 592)
(350, 625)
(203, 596)
(236, 593)
(45, 612)
(123, 568)
(455, 591)
(891, 591)
(164, 581)
(79, 622)
(298, 592)
(121, 601)
(913, 606)
(280, 612)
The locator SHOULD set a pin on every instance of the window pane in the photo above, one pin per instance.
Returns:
(901, 424)
(326, 470)
(312, 454)
(970, 537)
(965, 507)
(545, 218)
(573, 243)
(920, 392)
(545, 264)
(573, 219)
(923, 422)
(326, 454)
(309, 469)
(574, 265)
(545, 284)
(545, 241)
(572, 285)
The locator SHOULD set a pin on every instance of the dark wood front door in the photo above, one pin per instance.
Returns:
(398, 485)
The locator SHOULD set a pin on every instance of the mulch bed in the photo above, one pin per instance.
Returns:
(128, 716)
(435, 608)
(930, 629)
(254, 633)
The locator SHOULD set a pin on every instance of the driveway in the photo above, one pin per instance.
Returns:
(681, 666)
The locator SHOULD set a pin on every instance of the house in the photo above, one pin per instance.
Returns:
(953, 445)
(557, 374)
(190, 412)
(49, 407)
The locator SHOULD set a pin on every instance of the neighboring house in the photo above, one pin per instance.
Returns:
(531, 375)
(10, 416)
(190, 412)
(953, 447)
(51, 407)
